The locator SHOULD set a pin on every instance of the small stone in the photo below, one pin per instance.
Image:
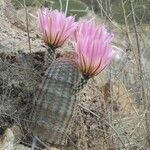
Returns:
(21, 147)
(53, 148)
(7, 141)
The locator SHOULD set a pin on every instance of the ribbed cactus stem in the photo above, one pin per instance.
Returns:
(51, 51)
(55, 102)
(80, 85)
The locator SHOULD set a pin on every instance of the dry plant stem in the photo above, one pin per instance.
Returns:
(60, 2)
(48, 148)
(27, 24)
(115, 131)
(140, 122)
(108, 97)
(127, 31)
(105, 13)
(108, 8)
(138, 48)
(66, 9)
(33, 143)
(126, 24)
(101, 4)
(29, 145)
(109, 90)
(143, 97)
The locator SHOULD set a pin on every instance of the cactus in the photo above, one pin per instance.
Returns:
(55, 101)
(81, 83)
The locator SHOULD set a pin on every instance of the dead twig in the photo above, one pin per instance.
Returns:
(27, 24)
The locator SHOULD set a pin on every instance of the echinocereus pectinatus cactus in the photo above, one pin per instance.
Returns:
(55, 102)
(55, 99)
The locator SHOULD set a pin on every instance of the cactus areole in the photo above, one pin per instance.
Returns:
(55, 102)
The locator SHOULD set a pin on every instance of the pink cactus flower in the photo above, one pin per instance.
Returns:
(55, 28)
(93, 47)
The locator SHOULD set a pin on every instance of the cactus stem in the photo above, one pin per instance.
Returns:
(83, 81)
(55, 102)
(51, 51)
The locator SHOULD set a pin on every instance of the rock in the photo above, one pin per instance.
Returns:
(17, 133)
(7, 141)
(21, 147)
(53, 148)
(10, 139)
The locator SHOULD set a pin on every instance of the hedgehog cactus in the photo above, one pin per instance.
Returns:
(55, 101)
(56, 97)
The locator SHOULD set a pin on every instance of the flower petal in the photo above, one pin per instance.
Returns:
(93, 47)
(55, 28)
